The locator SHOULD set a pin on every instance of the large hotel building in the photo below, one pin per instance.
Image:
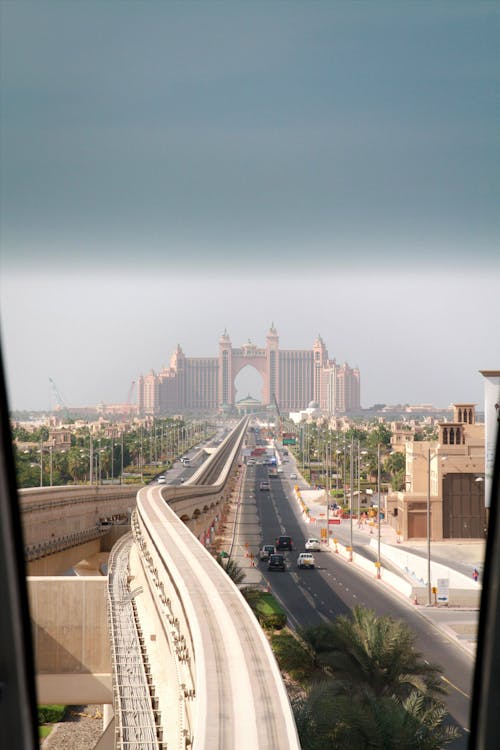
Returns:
(293, 377)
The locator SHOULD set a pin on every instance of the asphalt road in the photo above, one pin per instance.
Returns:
(334, 587)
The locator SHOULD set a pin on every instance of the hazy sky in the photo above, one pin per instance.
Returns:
(171, 169)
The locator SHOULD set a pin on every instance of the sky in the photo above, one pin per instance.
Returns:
(169, 170)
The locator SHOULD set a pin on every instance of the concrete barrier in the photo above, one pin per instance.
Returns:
(462, 590)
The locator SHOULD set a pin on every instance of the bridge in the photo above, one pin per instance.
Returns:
(165, 637)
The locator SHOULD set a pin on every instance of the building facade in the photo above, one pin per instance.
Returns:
(291, 378)
(444, 482)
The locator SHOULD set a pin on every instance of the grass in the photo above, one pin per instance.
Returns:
(44, 730)
(266, 608)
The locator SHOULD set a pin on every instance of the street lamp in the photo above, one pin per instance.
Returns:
(378, 510)
(351, 484)
(428, 525)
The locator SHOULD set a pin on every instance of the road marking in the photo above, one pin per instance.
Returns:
(459, 690)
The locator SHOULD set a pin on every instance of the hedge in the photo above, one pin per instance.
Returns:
(266, 608)
(50, 714)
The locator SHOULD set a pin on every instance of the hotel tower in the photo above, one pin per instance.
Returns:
(294, 377)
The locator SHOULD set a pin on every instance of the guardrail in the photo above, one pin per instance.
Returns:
(138, 722)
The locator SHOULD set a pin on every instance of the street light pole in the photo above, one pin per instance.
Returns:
(41, 462)
(429, 587)
(121, 463)
(91, 460)
(351, 481)
(359, 483)
(378, 509)
(428, 524)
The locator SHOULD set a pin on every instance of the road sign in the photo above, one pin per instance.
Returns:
(443, 590)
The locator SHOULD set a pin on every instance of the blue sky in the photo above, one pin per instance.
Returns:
(169, 169)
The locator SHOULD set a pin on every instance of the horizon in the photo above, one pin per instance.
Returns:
(170, 170)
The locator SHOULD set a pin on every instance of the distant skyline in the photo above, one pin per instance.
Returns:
(172, 169)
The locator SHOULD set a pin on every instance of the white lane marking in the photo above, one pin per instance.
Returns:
(455, 687)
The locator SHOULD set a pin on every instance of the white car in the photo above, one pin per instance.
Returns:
(305, 560)
(266, 551)
(313, 545)
(293, 476)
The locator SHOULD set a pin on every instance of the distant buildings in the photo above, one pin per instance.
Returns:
(292, 378)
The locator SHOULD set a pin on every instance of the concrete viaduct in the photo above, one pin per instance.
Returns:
(151, 626)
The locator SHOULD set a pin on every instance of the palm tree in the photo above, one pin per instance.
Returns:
(326, 717)
(375, 655)
(234, 571)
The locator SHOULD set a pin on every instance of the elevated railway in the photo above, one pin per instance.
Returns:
(210, 673)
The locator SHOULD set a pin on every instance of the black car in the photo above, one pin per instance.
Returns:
(276, 562)
(284, 542)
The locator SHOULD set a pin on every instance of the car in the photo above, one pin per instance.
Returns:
(280, 470)
(276, 562)
(293, 476)
(162, 480)
(266, 551)
(284, 542)
(305, 560)
(313, 545)
(264, 486)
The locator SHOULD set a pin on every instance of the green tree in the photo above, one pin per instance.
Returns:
(234, 571)
(395, 468)
(380, 434)
(375, 655)
(329, 718)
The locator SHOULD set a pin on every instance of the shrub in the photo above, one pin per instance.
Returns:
(266, 609)
(292, 656)
(50, 714)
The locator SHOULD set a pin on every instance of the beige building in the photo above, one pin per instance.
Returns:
(451, 471)
(402, 432)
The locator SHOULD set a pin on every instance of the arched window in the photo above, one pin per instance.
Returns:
(460, 415)
(445, 436)
(452, 436)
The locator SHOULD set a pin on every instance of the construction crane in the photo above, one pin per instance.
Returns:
(60, 401)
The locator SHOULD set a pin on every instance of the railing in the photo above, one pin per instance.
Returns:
(138, 722)
(61, 543)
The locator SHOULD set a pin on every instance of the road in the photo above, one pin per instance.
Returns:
(315, 596)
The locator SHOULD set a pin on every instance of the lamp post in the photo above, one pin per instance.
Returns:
(50, 464)
(351, 484)
(91, 459)
(428, 458)
(378, 510)
(429, 587)
(41, 462)
(121, 461)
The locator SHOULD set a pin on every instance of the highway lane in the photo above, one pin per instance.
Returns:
(313, 596)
